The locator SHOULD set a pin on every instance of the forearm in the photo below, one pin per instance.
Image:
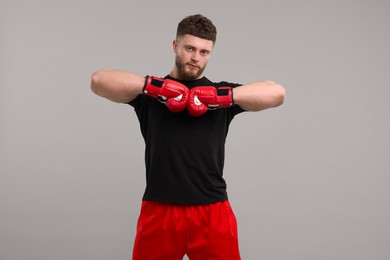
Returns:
(116, 85)
(259, 95)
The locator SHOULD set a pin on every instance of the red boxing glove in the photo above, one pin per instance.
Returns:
(202, 99)
(172, 93)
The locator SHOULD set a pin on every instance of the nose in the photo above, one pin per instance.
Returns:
(195, 57)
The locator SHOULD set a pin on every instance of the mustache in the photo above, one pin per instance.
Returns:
(193, 64)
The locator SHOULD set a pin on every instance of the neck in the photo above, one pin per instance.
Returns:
(176, 75)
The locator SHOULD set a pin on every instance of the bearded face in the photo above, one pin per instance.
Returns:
(188, 70)
(192, 54)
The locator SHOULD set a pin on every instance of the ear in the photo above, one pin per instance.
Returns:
(174, 46)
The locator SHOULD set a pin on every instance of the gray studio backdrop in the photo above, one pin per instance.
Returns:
(308, 180)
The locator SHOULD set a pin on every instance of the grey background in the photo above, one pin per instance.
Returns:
(308, 180)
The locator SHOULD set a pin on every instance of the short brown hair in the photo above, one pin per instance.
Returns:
(199, 26)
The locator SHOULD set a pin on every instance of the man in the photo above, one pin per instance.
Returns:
(184, 120)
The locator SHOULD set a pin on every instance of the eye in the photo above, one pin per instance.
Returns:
(204, 53)
(189, 48)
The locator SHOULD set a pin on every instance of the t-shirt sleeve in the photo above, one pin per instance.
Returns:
(140, 104)
(135, 101)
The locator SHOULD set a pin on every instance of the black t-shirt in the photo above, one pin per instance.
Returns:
(184, 155)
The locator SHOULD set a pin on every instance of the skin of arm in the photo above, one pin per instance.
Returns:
(116, 85)
(259, 95)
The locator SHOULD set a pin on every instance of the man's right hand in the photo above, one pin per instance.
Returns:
(172, 93)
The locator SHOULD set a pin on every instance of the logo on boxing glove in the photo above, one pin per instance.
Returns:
(172, 93)
(204, 98)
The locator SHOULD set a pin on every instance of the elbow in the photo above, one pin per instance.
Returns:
(95, 82)
(97, 79)
(280, 94)
(276, 95)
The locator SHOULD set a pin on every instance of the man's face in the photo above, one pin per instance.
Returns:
(192, 54)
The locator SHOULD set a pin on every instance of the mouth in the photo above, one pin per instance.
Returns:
(192, 66)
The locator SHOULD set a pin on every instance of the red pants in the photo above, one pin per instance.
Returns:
(203, 232)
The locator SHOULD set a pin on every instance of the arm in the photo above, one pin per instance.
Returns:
(259, 95)
(117, 86)
(250, 97)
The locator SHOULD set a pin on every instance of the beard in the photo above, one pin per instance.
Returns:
(188, 74)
